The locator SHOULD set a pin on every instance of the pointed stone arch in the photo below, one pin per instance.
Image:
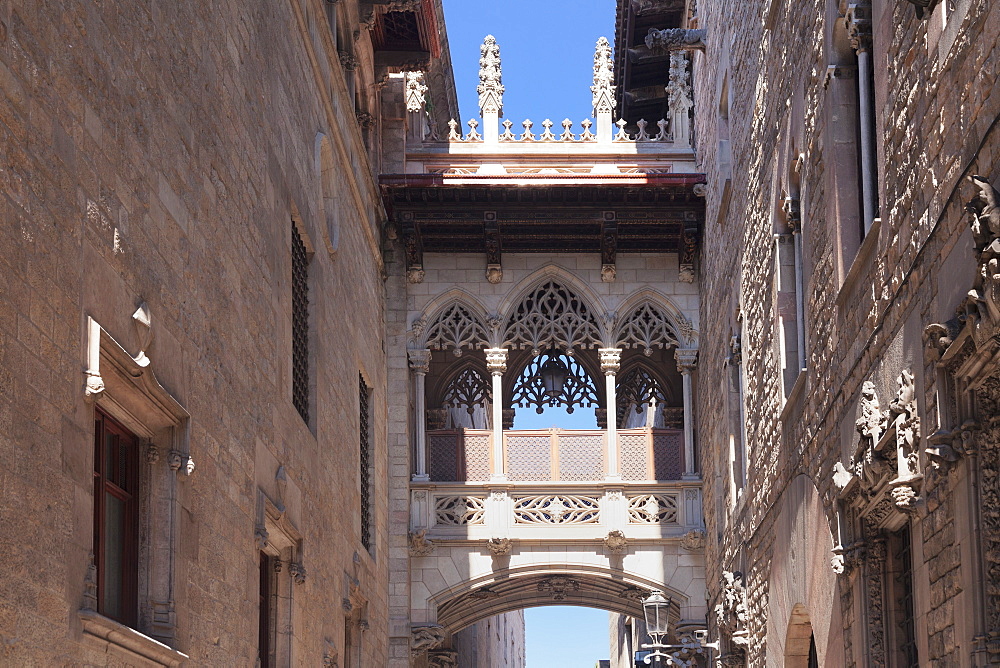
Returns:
(568, 280)
(459, 312)
(800, 642)
(509, 589)
(553, 312)
(683, 329)
(326, 170)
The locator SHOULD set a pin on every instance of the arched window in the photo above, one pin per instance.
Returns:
(578, 388)
(466, 400)
(644, 400)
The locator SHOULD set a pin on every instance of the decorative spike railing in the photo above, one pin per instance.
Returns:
(567, 135)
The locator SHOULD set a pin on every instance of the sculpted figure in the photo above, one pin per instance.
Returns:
(676, 39)
(985, 210)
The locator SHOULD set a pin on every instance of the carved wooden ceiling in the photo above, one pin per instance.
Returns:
(640, 75)
(662, 215)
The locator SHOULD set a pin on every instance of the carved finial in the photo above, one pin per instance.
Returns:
(490, 89)
(453, 131)
(586, 135)
(473, 135)
(679, 97)
(622, 135)
(603, 90)
(662, 135)
(415, 90)
(547, 134)
(642, 136)
(527, 136)
(567, 133)
(507, 134)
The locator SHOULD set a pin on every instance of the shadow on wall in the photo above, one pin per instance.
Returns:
(803, 591)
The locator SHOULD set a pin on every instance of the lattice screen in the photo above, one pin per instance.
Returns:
(581, 457)
(633, 457)
(477, 458)
(528, 458)
(443, 451)
(668, 455)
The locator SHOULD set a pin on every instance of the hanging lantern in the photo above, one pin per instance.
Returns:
(554, 373)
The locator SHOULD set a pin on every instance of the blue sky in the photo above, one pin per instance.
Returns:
(547, 56)
(546, 50)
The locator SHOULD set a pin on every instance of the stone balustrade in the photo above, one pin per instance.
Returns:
(555, 455)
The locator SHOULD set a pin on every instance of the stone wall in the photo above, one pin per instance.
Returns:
(158, 154)
(497, 642)
(866, 301)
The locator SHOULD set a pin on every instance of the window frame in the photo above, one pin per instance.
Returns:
(128, 597)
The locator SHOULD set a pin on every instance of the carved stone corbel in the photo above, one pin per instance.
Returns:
(499, 547)
(675, 39)
(616, 542)
(419, 544)
(426, 637)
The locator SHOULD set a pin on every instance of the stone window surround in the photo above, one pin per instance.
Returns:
(126, 389)
(278, 537)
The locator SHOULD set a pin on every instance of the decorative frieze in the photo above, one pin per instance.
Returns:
(652, 509)
(459, 510)
(556, 509)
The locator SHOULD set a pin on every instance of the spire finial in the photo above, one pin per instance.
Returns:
(490, 89)
(603, 89)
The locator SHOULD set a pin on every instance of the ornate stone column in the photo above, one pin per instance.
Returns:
(687, 360)
(610, 363)
(859, 28)
(419, 363)
(496, 362)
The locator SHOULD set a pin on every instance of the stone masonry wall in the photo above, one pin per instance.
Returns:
(157, 152)
(936, 111)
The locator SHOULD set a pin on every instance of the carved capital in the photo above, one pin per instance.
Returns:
(419, 360)
(496, 361)
(611, 359)
(687, 359)
(859, 24)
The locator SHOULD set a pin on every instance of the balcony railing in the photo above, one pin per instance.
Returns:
(555, 455)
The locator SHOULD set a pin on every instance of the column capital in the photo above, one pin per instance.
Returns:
(687, 359)
(858, 20)
(496, 360)
(610, 360)
(420, 361)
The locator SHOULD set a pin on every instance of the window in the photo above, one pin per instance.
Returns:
(903, 643)
(300, 324)
(365, 460)
(116, 519)
(264, 625)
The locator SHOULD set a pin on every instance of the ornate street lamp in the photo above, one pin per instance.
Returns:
(554, 373)
(655, 608)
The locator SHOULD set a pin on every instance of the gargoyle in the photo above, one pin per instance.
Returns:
(676, 39)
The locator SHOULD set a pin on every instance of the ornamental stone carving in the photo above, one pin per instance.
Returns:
(560, 587)
(298, 572)
(420, 545)
(496, 361)
(442, 659)
(426, 637)
(675, 39)
(499, 547)
(490, 89)
(603, 90)
(693, 540)
(616, 542)
(414, 93)
(610, 360)
(903, 408)
(731, 612)
(984, 298)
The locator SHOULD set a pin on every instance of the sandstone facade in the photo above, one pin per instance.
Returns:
(905, 503)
